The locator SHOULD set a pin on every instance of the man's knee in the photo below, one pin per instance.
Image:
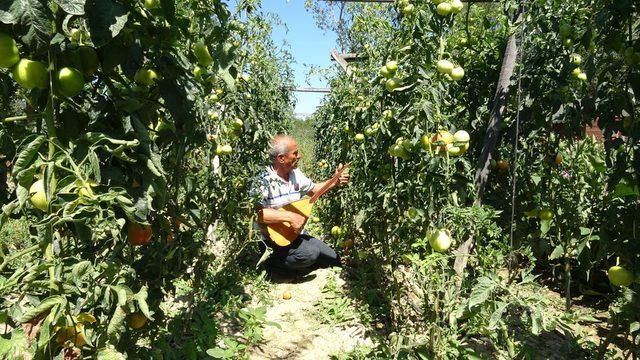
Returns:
(304, 257)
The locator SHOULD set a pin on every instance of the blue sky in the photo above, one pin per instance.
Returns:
(307, 43)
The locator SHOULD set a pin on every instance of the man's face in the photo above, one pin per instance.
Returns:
(289, 161)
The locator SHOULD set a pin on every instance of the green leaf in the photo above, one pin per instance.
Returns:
(536, 323)
(80, 270)
(45, 331)
(557, 253)
(36, 17)
(121, 292)
(536, 179)
(10, 11)
(267, 252)
(106, 18)
(15, 347)
(496, 317)
(117, 323)
(109, 353)
(545, 225)
(73, 7)
(228, 79)
(623, 190)
(28, 154)
(114, 146)
(152, 166)
(141, 299)
(218, 353)
(481, 291)
(42, 308)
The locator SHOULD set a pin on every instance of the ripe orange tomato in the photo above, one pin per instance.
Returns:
(502, 165)
(139, 234)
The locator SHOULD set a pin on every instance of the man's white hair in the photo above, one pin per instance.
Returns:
(279, 145)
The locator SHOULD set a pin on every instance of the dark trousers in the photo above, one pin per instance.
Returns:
(304, 252)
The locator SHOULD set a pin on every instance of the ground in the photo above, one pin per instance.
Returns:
(316, 323)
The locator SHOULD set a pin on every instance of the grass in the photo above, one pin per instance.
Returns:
(14, 236)
(304, 134)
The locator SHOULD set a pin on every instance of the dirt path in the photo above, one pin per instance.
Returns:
(315, 324)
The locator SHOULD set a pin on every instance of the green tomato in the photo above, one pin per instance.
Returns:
(408, 10)
(197, 72)
(444, 66)
(31, 74)
(453, 150)
(38, 196)
(575, 72)
(152, 4)
(565, 29)
(237, 124)
(336, 231)
(456, 6)
(226, 149)
(620, 276)
(392, 67)
(88, 60)
(460, 137)
(9, 54)
(146, 77)
(457, 73)
(201, 51)
(165, 127)
(440, 240)
(385, 72)
(567, 42)
(546, 214)
(443, 9)
(575, 59)
(425, 141)
(392, 84)
(70, 81)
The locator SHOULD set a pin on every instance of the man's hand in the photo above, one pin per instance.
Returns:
(297, 222)
(344, 177)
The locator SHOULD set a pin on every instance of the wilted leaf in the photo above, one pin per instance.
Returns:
(43, 307)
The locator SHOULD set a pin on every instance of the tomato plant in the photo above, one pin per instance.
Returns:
(107, 130)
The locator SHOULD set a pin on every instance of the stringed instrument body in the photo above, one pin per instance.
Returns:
(283, 234)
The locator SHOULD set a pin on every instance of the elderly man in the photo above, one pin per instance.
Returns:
(283, 183)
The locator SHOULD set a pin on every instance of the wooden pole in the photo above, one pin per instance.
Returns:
(340, 60)
(491, 137)
(312, 90)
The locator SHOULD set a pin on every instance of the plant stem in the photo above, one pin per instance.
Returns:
(20, 118)
(23, 252)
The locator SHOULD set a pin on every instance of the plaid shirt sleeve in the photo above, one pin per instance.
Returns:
(304, 182)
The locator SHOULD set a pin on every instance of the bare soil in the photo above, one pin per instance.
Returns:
(303, 335)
